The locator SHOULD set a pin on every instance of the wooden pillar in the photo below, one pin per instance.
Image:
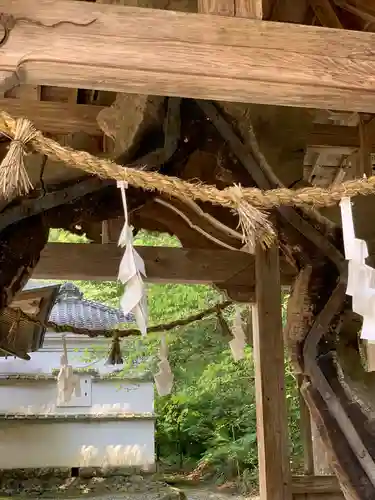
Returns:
(272, 427)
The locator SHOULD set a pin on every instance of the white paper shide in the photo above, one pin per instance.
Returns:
(361, 277)
(237, 345)
(131, 273)
(68, 383)
(164, 377)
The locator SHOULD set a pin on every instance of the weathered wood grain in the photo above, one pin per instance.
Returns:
(194, 55)
(252, 9)
(163, 265)
(55, 117)
(315, 484)
(272, 427)
(218, 7)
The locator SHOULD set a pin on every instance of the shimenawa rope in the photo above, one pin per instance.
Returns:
(116, 334)
(245, 201)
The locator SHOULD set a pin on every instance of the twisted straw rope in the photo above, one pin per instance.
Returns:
(17, 315)
(178, 188)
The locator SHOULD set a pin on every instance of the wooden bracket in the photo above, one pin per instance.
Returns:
(264, 178)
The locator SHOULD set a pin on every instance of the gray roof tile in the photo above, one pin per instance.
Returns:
(71, 308)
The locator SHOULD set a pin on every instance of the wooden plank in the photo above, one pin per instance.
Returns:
(218, 7)
(272, 427)
(29, 92)
(55, 117)
(149, 51)
(335, 136)
(68, 261)
(252, 9)
(315, 484)
(97, 262)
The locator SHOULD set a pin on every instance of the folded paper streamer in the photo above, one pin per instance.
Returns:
(164, 377)
(68, 383)
(237, 345)
(361, 277)
(131, 272)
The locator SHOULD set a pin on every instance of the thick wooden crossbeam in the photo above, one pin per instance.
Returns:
(71, 261)
(125, 49)
(100, 262)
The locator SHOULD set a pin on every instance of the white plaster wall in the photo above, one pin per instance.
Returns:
(54, 443)
(113, 396)
(48, 357)
(37, 444)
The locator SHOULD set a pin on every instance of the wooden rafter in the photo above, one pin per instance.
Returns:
(130, 50)
(326, 14)
(361, 8)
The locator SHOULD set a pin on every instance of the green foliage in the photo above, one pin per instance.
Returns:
(209, 421)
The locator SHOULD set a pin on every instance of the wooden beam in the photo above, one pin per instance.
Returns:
(335, 136)
(55, 117)
(97, 262)
(63, 118)
(272, 426)
(69, 261)
(161, 52)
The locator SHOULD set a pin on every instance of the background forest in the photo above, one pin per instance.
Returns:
(208, 423)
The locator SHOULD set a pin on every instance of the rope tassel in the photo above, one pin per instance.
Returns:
(254, 223)
(115, 356)
(14, 180)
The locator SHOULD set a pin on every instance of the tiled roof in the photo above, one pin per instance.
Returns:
(71, 308)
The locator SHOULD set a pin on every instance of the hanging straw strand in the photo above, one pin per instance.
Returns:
(14, 180)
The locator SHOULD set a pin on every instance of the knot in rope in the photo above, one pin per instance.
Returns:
(254, 223)
(14, 180)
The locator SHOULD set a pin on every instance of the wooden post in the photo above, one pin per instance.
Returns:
(322, 463)
(306, 433)
(272, 429)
